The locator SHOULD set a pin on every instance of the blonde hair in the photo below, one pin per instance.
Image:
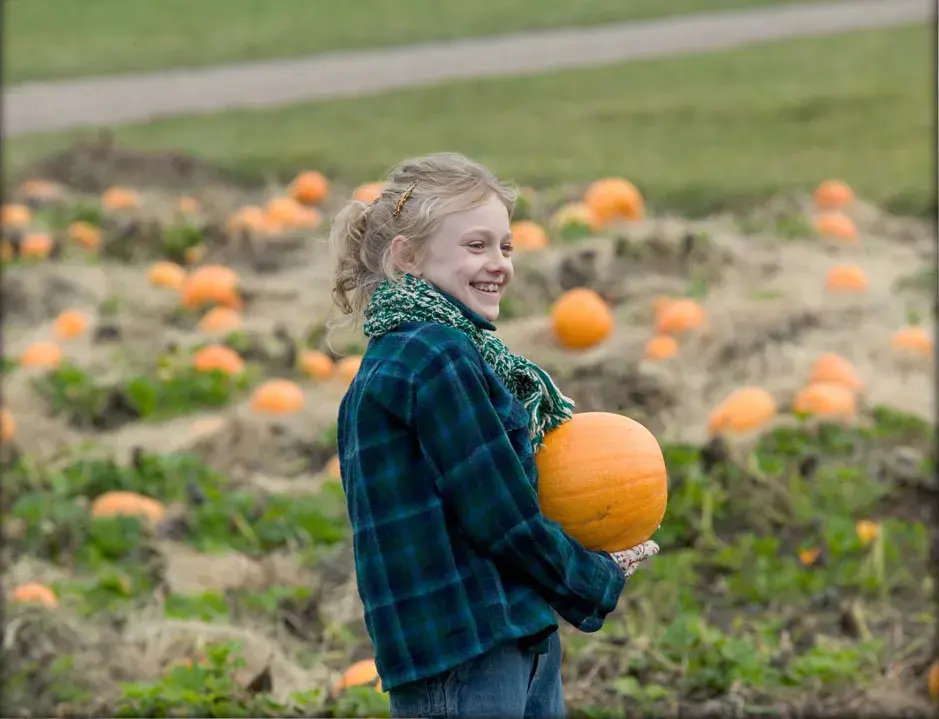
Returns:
(361, 234)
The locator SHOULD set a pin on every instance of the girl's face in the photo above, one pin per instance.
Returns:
(470, 257)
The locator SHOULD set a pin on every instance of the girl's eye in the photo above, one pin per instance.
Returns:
(477, 245)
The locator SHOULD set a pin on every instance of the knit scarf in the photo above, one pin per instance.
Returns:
(416, 300)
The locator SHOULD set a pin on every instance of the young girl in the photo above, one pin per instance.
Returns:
(459, 571)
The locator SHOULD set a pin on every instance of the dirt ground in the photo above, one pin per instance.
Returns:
(769, 317)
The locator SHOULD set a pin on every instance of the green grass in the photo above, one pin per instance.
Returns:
(56, 39)
(695, 133)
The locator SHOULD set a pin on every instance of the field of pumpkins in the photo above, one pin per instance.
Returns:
(175, 538)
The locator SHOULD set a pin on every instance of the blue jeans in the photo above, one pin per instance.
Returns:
(506, 682)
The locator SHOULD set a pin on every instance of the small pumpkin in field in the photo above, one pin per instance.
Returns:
(360, 673)
(318, 365)
(529, 235)
(310, 187)
(70, 324)
(42, 354)
(285, 212)
(575, 219)
(368, 191)
(580, 318)
(333, 468)
(932, 681)
(7, 425)
(348, 367)
(39, 190)
(837, 226)
(912, 340)
(211, 284)
(84, 234)
(250, 218)
(660, 347)
(829, 367)
(218, 357)
(35, 593)
(678, 316)
(614, 198)
(128, 504)
(37, 245)
(220, 320)
(846, 278)
(744, 410)
(825, 400)
(120, 198)
(15, 214)
(164, 273)
(833, 194)
(602, 477)
(277, 396)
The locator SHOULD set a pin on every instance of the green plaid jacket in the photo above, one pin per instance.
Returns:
(452, 553)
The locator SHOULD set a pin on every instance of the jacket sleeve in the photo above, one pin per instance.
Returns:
(483, 484)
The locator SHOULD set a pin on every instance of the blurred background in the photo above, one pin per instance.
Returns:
(746, 187)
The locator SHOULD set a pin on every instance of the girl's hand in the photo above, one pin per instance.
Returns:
(629, 559)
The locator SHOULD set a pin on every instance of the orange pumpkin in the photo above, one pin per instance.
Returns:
(33, 592)
(42, 354)
(164, 273)
(836, 225)
(847, 278)
(333, 468)
(809, 556)
(40, 190)
(867, 531)
(830, 367)
(84, 234)
(277, 396)
(309, 187)
(368, 192)
(680, 315)
(187, 205)
(575, 213)
(37, 245)
(932, 682)
(220, 320)
(359, 674)
(614, 198)
(7, 425)
(602, 477)
(218, 357)
(316, 364)
(833, 194)
(660, 347)
(825, 399)
(15, 214)
(286, 212)
(580, 318)
(128, 504)
(70, 324)
(211, 284)
(120, 198)
(250, 218)
(528, 235)
(348, 367)
(744, 410)
(912, 340)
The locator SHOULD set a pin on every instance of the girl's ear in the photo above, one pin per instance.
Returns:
(403, 257)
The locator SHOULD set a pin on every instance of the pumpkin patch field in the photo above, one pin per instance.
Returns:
(175, 536)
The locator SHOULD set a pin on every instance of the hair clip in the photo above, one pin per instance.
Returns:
(404, 198)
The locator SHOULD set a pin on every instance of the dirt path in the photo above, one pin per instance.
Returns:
(51, 106)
